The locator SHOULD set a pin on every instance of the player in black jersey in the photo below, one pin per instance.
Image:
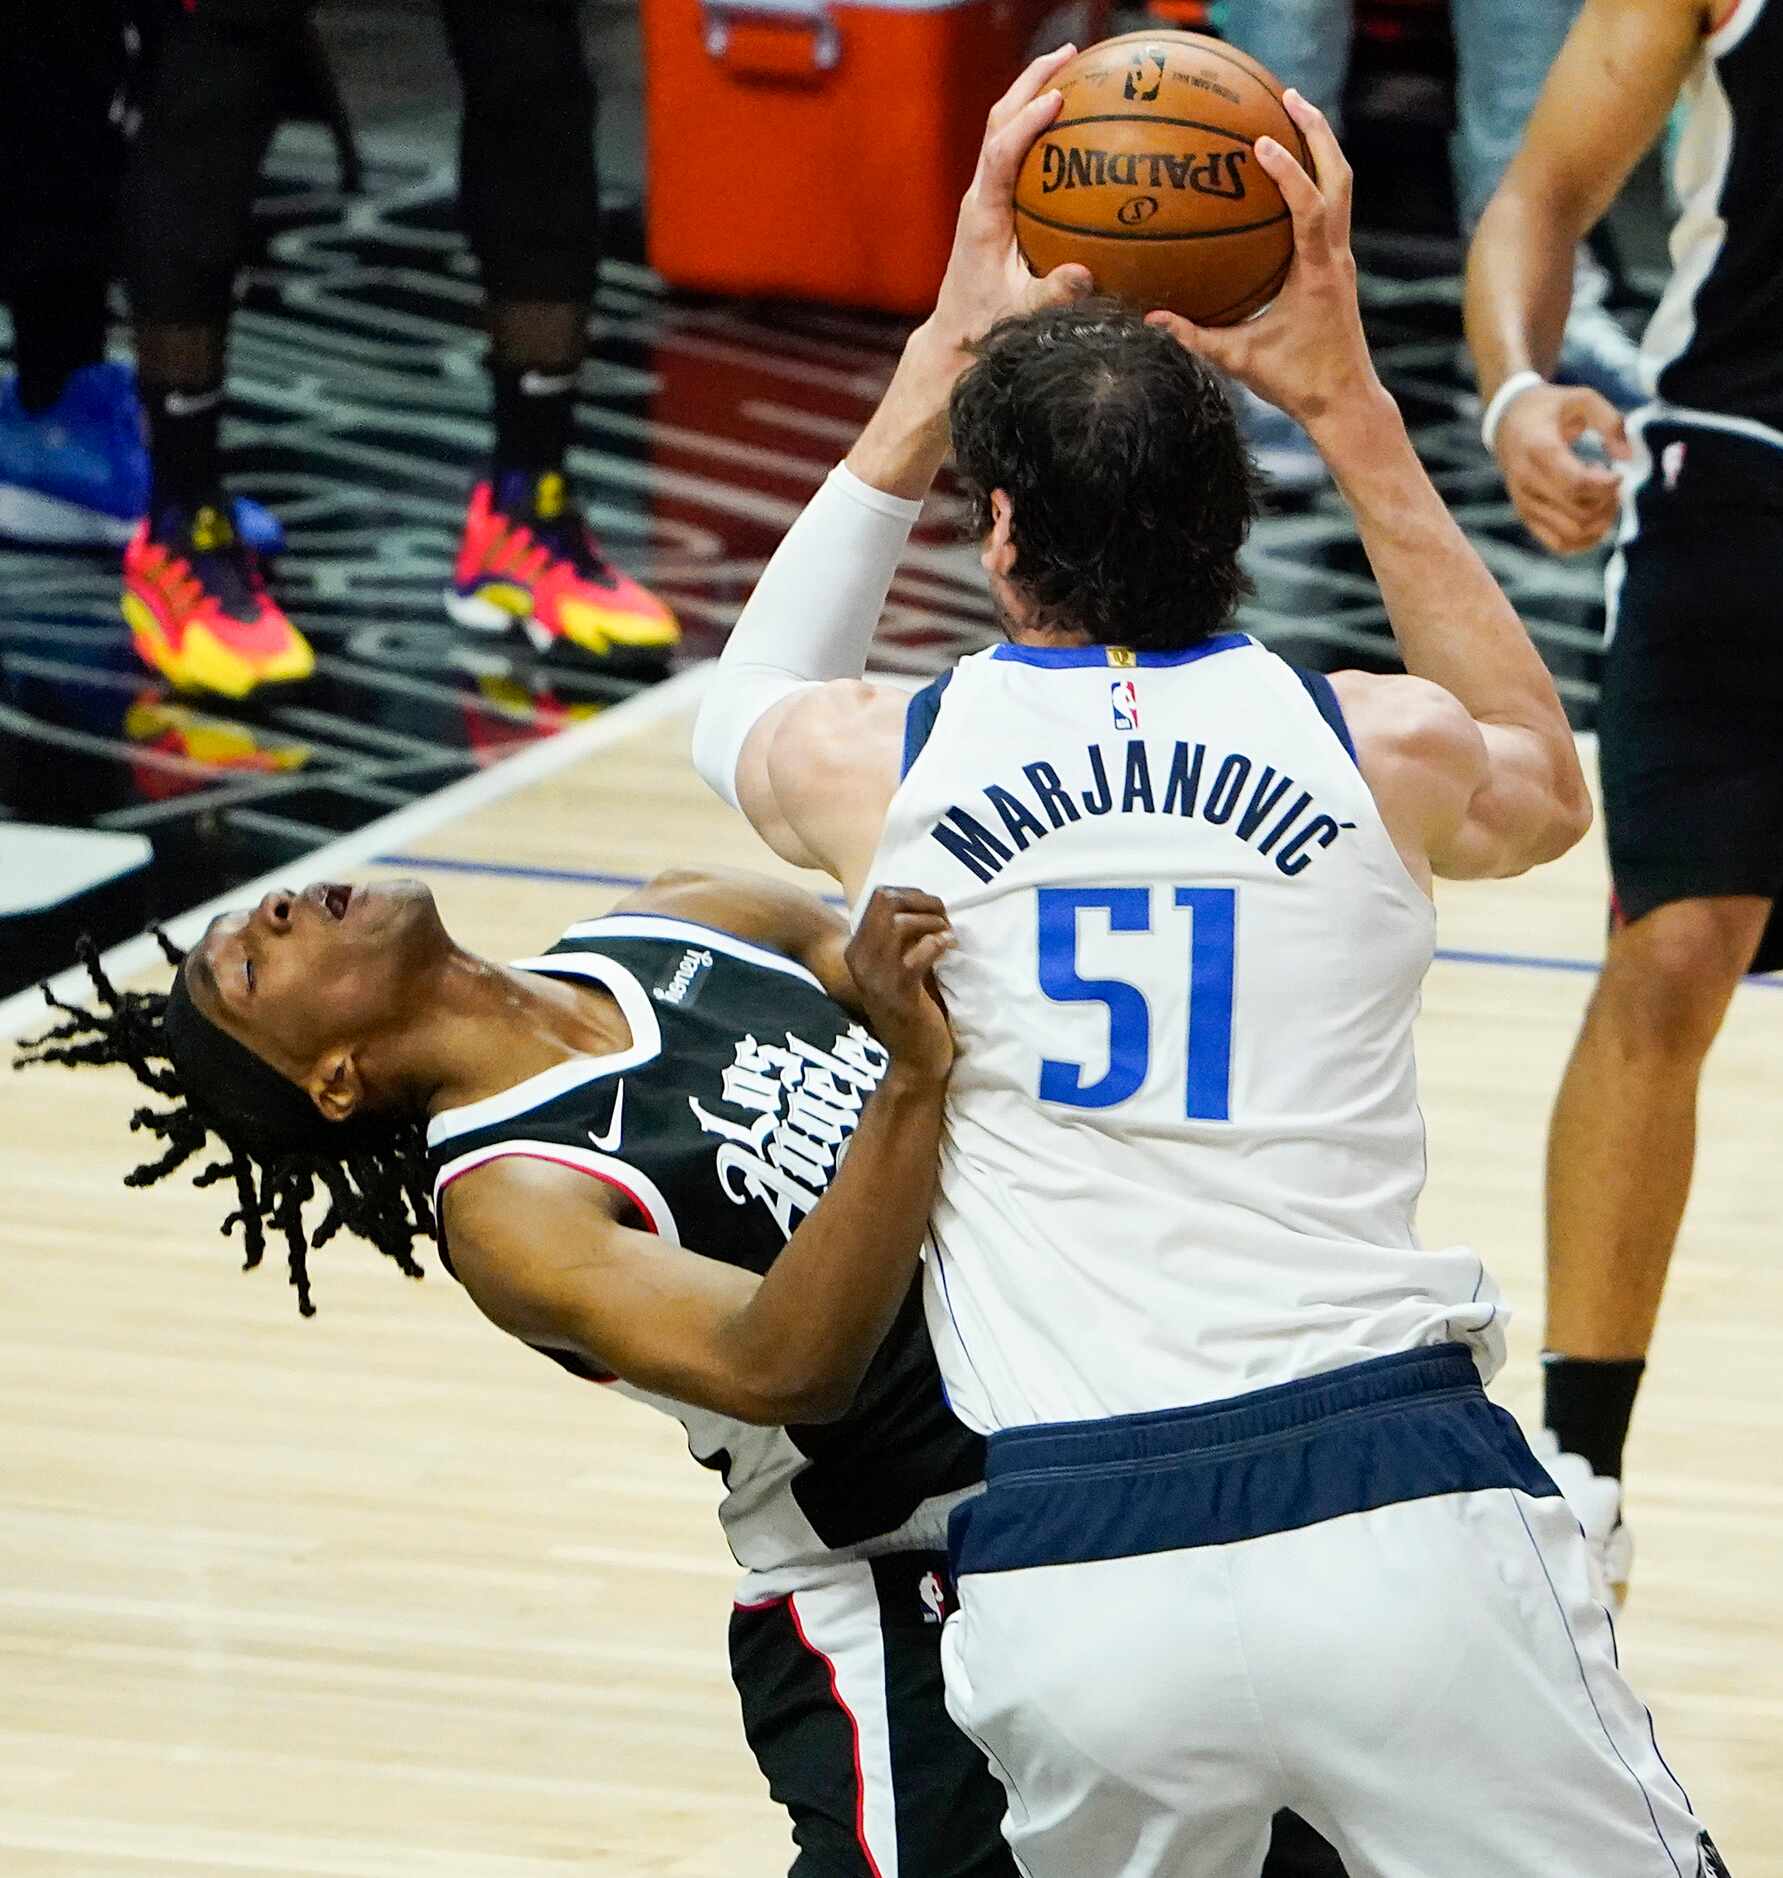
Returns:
(1690, 727)
(707, 1080)
(686, 1071)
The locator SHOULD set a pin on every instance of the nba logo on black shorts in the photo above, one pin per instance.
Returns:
(933, 1594)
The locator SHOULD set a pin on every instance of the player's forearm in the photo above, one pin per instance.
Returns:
(827, 1301)
(1519, 284)
(1449, 616)
(905, 441)
(812, 615)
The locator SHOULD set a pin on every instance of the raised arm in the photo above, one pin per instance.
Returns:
(788, 733)
(1471, 759)
(1605, 101)
(544, 1254)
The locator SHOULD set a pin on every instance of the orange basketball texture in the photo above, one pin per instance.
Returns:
(1148, 177)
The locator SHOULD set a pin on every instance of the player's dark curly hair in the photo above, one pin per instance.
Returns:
(1130, 484)
(277, 1149)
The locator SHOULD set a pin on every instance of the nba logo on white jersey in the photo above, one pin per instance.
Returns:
(1123, 694)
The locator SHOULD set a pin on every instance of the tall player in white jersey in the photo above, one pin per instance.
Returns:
(1253, 1537)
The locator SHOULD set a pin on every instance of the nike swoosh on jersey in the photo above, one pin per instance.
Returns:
(609, 1140)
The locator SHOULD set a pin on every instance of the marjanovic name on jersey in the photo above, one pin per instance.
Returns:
(1253, 801)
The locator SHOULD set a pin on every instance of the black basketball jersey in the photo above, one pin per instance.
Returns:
(721, 1126)
(1713, 348)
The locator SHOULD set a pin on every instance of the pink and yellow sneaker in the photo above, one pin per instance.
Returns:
(199, 611)
(531, 564)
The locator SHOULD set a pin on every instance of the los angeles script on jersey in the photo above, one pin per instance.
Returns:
(802, 1104)
(1252, 800)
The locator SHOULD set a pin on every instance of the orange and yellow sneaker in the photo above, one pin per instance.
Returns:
(199, 611)
(531, 564)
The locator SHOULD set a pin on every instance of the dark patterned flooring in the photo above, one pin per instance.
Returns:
(358, 413)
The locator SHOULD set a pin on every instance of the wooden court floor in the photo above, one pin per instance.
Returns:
(382, 1595)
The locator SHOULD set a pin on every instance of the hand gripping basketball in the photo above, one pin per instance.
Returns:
(987, 279)
(1305, 352)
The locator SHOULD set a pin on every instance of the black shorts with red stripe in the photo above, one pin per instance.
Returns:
(1690, 727)
(844, 1709)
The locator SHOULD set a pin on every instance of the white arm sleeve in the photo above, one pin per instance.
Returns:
(810, 618)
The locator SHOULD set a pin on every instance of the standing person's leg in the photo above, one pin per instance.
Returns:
(197, 607)
(72, 467)
(532, 213)
(1504, 52)
(1306, 44)
(1690, 736)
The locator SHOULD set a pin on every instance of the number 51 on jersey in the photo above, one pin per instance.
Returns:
(1209, 916)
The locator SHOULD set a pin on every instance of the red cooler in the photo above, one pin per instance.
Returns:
(818, 149)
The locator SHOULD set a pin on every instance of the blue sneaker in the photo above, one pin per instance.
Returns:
(258, 528)
(76, 475)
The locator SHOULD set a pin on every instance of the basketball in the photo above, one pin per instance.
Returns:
(1149, 178)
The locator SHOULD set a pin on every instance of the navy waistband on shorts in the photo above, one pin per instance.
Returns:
(1398, 1428)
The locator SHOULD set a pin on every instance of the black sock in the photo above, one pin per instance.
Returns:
(185, 464)
(58, 326)
(535, 412)
(1587, 1402)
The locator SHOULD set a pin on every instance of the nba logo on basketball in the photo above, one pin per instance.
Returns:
(1123, 694)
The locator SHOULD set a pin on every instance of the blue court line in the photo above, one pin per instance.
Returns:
(592, 877)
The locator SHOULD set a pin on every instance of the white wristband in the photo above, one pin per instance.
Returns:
(1513, 387)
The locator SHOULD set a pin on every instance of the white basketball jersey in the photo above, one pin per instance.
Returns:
(1183, 1148)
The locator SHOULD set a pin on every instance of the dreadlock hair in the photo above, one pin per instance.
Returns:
(277, 1148)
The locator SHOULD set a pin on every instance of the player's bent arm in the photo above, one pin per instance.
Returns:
(1605, 101)
(812, 615)
(1461, 799)
(830, 766)
(1456, 629)
(816, 774)
(543, 1255)
(557, 1267)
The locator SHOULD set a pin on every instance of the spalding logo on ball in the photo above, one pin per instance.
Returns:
(1149, 178)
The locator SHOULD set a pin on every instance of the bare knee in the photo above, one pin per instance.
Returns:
(1668, 977)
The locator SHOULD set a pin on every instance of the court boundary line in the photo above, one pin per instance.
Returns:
(26, 1010)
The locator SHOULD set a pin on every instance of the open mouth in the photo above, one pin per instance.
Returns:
(336, 898)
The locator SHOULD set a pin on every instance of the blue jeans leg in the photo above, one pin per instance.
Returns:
(1504, 50)
(1305, 43)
